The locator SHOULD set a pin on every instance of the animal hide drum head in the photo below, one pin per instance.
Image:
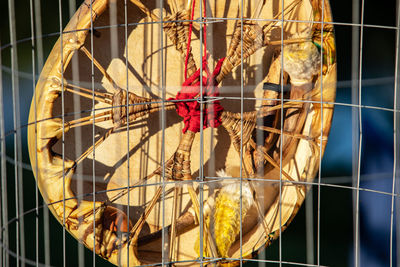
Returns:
(162, 132)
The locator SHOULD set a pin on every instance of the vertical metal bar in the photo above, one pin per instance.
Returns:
(1, 157)
(74, 63)
(40, 57)
(281, 139)
(397, 187)
(241, 132)
(127, 112)
(113, 29)
(321, 137)
(260, 140)
(354, 99)
(397, 162)
(93, 131)
(1, 202)
(114, 54)
(396, 143)
(395, 135)
(35, 116)
(4, 199)
(201, 152)
(20, 242)
(163, 126)
(39, 34)
(310, 225)
(63, 128)
(357, 211)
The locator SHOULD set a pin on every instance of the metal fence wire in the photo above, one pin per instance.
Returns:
(191, 132)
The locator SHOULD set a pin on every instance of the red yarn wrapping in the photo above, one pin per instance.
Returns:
(189, 109)
(189, 39)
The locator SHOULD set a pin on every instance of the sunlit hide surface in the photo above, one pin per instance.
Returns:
(142, 59)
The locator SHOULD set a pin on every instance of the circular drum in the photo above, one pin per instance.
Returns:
(145, 164)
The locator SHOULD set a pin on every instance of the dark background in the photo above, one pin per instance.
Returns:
(336, 204)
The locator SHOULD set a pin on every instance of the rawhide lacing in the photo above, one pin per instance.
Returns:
(178, 166)
(138, 107)
(232, 122)
(253, 39)
(176, 26)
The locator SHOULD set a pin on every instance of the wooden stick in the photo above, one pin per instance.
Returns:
(193, 197)
(212, 249)
(90, 149)
(258, 9)
(189, 5)
(290, 41)
(289, 104)
(256, 200)
(80, 124)
(139, 224)
(99, 67)
(145, 10)
(294, 135)
(277, 131)
(258, 207)
(86, 95)
(288, 9)
(172, 244)
(271, 161)
(88, 118)
(127, 190)
(173, 6)
(105, 95)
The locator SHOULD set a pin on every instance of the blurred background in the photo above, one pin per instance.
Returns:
(339, 170)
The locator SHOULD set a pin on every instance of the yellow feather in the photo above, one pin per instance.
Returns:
(224, 220)
(225, 223)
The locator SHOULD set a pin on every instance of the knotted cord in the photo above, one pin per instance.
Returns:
(187, 105)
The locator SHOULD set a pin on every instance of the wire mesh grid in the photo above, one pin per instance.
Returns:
(349, 216)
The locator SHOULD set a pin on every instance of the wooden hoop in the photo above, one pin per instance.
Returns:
(307, 115)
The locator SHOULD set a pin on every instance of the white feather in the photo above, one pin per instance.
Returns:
(232, 188)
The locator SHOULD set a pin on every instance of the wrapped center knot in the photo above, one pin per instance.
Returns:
(187, 105)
